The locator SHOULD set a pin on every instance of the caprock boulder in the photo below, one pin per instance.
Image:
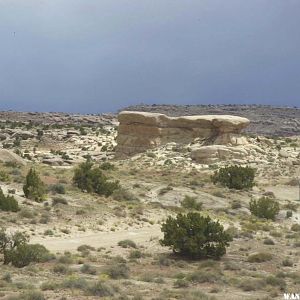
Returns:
(140, 131)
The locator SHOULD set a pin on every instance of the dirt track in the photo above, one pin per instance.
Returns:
(101, 239)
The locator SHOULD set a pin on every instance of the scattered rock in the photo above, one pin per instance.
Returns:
(23, 134)
(3, 137)
(284, 154)
(269, 194)
(53, 161)
(72, 132)
(214, 153)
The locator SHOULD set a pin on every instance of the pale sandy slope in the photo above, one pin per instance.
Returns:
(140, 236)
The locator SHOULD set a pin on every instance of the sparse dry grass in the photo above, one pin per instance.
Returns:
(117, 261)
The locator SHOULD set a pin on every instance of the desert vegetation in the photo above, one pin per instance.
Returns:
(235, 177)
(79, 224)
(195, 236)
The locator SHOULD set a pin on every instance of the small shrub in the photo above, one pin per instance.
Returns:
(218, 194)
(118, 271)
(29, 295)
(295, 227)
(275, 233)
(269, 241)
(82, 131)
(74, 282)
(287, 263)
(231, 266)
(122, 194)
(291, 206)
(163, 260)
(4, 177)
(135, 254)
(148, 277)
(127, 244)
(107, 166)
(202, 276)
(8, 203)
(168, 162)
(99, 289)
(59, 200)
(293, 182)
(151, 154)
(7, 277)
(34, 188)
(18, 252)
(181, 283)
(26, 213)
(232, 231)
(65, 231)
(236, 204)
(92, 180)
(195, 236)
(83, 248)
(259, 257)
(65, 259)
(165, 190)
(45, 218)
(191, 203)
(24, 254)
(264, 208)
(209, 264)
(276, 282)
(61, 269)
(88, 269)
(49, 286)
(235, 177)
(57, 188)
(48, 232)
(252, 284)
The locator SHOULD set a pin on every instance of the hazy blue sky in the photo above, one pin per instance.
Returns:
(99, 55)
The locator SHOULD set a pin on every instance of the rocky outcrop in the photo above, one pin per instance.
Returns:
(213, 153)
(11, 157)
(53, 161)
(23, 134)
(139, 131)
(265, 119)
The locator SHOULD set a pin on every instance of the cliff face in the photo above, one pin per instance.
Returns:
(139, 131)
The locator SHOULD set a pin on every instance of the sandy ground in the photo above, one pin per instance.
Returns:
(283, 192)
(102, 239)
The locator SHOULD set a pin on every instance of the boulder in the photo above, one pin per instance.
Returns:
(23, 135)
(139, 131)
(284, 154)
(53, 161)
(3, 137)
(72, 132)
(214, 153)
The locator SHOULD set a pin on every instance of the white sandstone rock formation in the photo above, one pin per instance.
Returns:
(213, 153)
(140, 131)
